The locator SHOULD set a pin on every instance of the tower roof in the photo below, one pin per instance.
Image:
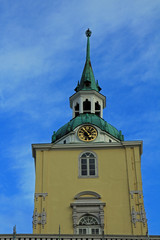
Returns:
(83, 119)
(88, 80)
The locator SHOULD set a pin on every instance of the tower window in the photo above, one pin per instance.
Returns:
(76, 109)
(86, 106)
(88, 220)
(88, 213)
(89, 225)
(97, 109)
(88, 165)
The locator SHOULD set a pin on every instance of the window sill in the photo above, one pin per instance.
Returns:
(88, 176)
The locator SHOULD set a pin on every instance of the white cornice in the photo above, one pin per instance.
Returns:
(52, 146)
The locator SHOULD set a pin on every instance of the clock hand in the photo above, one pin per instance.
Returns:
(85, 130)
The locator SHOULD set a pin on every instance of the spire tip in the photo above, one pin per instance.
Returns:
(88, 32)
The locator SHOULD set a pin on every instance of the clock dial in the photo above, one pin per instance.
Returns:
(87, 133)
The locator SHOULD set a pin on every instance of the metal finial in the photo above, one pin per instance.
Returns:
(88, 32)
(14, 232)
(14, 229)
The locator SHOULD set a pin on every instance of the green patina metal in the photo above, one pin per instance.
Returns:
(87, 80)
(87, 83)
(84, 119)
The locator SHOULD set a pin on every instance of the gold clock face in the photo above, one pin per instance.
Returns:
(87, 133)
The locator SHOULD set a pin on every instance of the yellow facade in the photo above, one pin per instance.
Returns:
(118, 183)
(88, 180)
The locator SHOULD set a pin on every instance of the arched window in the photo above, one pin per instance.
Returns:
(88, 165)
(97, 109)
(88, 220)
(86, 106)
(76, 109)
(88, 213)
(89, 224)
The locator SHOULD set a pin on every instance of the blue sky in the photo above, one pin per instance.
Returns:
(42, 55)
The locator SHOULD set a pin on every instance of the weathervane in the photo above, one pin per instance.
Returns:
(88, 32)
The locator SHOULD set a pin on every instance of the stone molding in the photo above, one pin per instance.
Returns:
(140, 194)
(39, 218)
(87, 206)
(37, 195)
(142, 215)
(94, 194)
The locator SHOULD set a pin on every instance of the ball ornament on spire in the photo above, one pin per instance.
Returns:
(88, 32)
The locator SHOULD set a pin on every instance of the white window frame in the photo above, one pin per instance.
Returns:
(88, 230)
(85, 229)
(88, 166)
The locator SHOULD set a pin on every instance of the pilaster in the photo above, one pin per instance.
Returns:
(41, 193)
(137, 212)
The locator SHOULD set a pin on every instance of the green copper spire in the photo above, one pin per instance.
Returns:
(87, 80)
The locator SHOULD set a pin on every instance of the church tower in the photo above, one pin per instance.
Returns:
(88, 179)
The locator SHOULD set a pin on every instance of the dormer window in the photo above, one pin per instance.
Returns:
(86, 106)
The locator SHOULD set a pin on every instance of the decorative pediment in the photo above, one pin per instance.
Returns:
(87, 203)
(87, 195)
